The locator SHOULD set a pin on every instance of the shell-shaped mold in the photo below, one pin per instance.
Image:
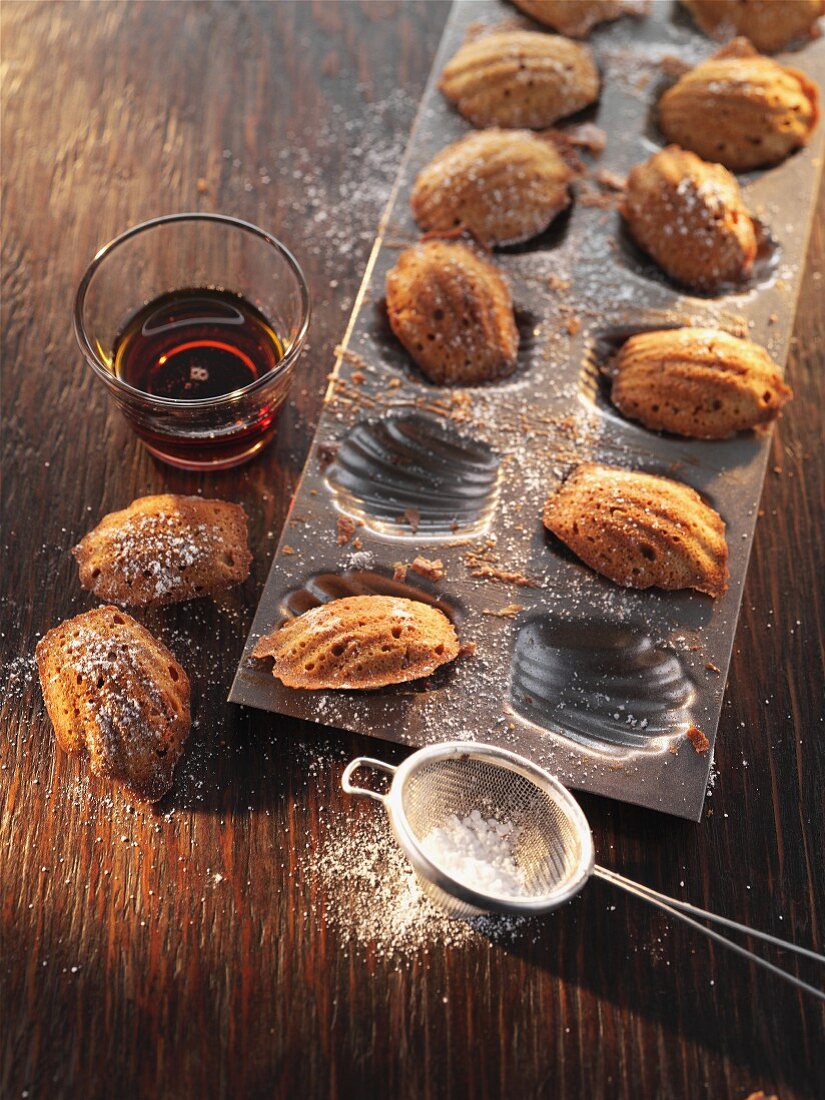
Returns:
(410, 475)
(640, 530)
(761, 110)
(360, 642)
(504, 186)
(520, 79)
(453, 313)
(610, 688)
(769, 24)
(689, 216)
(573, 17)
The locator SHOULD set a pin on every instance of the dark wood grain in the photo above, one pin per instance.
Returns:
(127, 967)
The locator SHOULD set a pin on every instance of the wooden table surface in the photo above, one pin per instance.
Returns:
(185, 954)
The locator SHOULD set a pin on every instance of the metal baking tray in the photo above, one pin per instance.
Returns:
(594, 682)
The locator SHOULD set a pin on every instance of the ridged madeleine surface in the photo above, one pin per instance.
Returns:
(573, 17)
(689, 216)
(360, 642)
(116, 692)
(453, 313)
(697, 382)
(502, 185)
(520, 79)
(761, 111)
(639, 530)
(769, 24)
(164, 549)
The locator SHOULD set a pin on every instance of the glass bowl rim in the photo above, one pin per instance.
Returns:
(116, 383)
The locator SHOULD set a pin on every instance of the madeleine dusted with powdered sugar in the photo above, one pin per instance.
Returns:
(640, 531)
(360, 642)
(453, 313)
(770, 24)
(688, 215)
(521, 79)
(761, 110)
(697, 382)
(503, 186)
(165, 549)
(574, 17)
(114, 691)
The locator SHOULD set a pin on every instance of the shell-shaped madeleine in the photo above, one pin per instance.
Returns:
(165, 549)
(573, 17)
(697, 382)
(639, 530)
(453, 313)
(360, 642)
(520, 79)
(115, 691)
(689, 216)
(769, 24)
(761, 111)
(502, 185)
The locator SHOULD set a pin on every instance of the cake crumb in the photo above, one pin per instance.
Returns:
(399, 571)
(432, 570)
(287, 551)
(698, 740)
(346, 527)
(509, 611)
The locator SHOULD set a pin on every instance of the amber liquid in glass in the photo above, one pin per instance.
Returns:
(194, 344)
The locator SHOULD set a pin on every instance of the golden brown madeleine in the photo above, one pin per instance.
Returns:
(453, 313)
(639, 530)
(502, 185)
(760, 110)
(520, 79)
(689, 216)
(360, 642)
(698, 382)
(769, 24)
(164, 549)
(116, 692)
(574, 17)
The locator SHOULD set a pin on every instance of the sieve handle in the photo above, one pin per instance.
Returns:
(365, 762)
(687, 912)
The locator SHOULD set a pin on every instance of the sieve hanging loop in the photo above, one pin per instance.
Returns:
(552, 838)
(365, 762)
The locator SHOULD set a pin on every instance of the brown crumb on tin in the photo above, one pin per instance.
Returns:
(556, 283)
(711, 667)
(605, 177)
(346, 527)
(288, 551)
(358, 377)
(432, 570)
(467, 649)
(509, 611)
(698, 740)
(484, 563)
(573, 325)
(399, 571)
(394, 384)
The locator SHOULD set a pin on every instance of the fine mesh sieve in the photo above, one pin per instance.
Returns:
(551, 843)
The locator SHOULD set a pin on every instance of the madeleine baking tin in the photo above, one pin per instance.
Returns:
(595, 683)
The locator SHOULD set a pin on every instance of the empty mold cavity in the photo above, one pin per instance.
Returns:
(412, 476)
(763, 273)
(609, 688)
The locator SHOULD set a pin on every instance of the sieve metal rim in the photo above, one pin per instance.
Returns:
(424, 866)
